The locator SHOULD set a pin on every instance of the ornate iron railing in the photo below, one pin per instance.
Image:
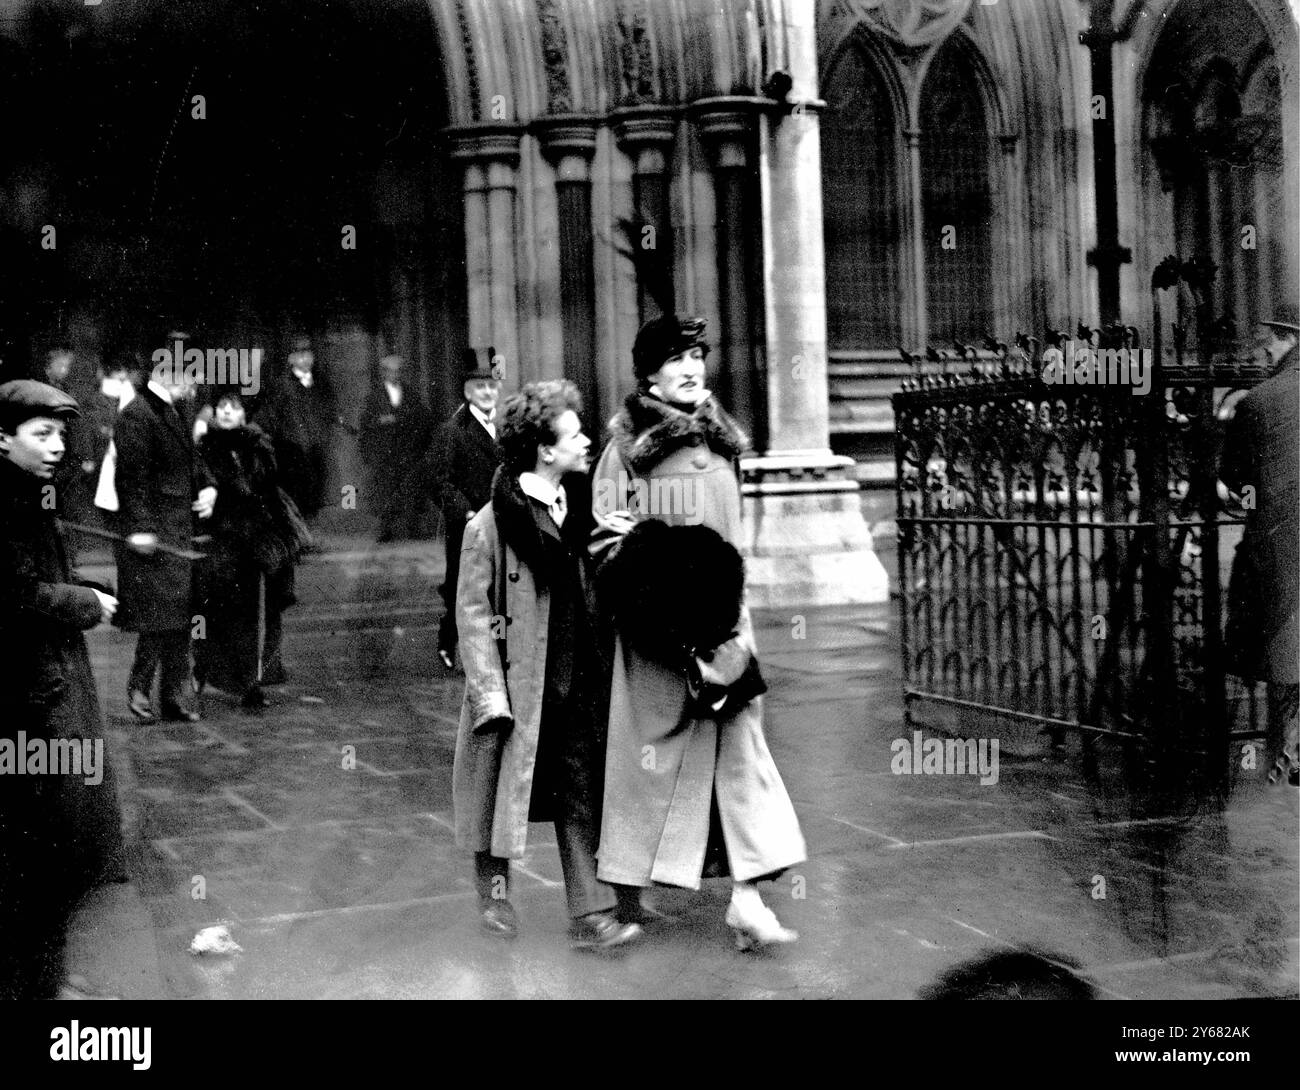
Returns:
(1063, 549)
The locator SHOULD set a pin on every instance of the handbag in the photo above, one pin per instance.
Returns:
(722, 679)
(300, 539)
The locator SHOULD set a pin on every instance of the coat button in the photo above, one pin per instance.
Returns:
(514, 577)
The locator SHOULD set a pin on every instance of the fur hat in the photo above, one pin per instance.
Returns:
(672, 589)
(662, 338)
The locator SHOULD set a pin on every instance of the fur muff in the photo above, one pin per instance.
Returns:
(674, 589)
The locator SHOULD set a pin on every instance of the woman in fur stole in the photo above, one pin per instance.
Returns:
(680, 784)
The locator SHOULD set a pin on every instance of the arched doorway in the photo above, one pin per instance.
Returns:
(246, 171)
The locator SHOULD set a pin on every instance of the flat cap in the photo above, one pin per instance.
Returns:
(25, 398)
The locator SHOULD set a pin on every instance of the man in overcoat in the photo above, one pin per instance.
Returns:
(60, 832)
(394, 435)
(1262, 454)
(466, 456)
(530, 744)
(299, 417)
(162, 486)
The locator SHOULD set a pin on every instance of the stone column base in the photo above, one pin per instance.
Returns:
(806, 542)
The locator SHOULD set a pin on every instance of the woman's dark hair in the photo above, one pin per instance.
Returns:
(232, 397)
(528, 420)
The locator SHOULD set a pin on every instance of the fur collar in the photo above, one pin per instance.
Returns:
(648, 430)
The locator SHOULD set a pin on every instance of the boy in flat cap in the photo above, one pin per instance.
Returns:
(60, 832)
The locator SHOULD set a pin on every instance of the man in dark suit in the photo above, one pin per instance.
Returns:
(1261, 463)
(162, 486)
(468, 456)
(300, 421)
(394, 434)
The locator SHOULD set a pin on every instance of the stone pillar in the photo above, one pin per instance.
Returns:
(490, 156)
(727, 127)
(806, 540)
(569, 142)
(645, 134)
(920, 315)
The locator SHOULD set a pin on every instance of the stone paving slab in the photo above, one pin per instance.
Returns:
(344, 882)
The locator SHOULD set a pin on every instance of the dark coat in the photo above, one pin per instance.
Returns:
(54, 830)
(391, 440)
(300, 422)
(159, 475)
(467, 457)
(656, 816)
(249, 525)
(1262, 450)
(503, 574)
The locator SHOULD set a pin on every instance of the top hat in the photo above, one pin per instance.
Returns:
(664, 337)
(482, 363)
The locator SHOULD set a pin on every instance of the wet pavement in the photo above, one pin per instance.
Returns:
(320, 833)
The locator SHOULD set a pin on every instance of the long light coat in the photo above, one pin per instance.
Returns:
(503, 613)
(662, 766)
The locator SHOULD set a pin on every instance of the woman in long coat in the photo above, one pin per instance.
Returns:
(251, 545)
(673, 456)
(529, 745)
(60, 835)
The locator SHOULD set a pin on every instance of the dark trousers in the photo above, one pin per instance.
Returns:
(454, 535)
(171, 651)
(584, 892)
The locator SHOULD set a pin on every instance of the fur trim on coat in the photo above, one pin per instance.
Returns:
(647, 430)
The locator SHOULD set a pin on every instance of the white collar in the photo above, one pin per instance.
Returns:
(161, 390)
(539, 488)
(480, 415)
(306, 378)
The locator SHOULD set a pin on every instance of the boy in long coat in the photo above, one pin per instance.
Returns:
(60, 835)
(529, 745)
(673, 456)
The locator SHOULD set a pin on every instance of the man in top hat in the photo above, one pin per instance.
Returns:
(163, 485)
(299, 418)
(467, 457)
(60, 833)
(394, 434)
(1261, 463)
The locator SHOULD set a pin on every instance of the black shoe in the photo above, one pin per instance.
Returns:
(498, 918)
(174, 713)
(254, 700)
(138, 705)
(602, 931)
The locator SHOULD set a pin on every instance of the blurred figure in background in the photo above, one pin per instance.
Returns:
(394, 436)
(299, 418)
(1262, 454)
(466, 456)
